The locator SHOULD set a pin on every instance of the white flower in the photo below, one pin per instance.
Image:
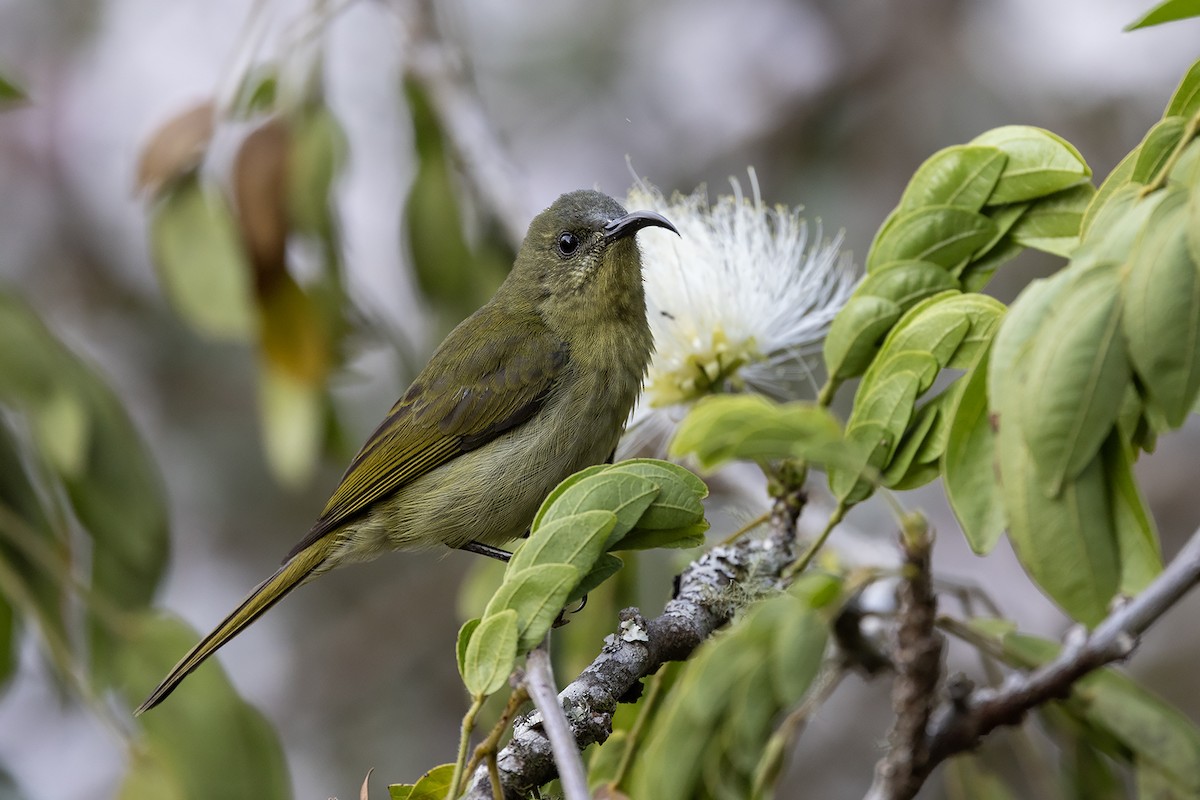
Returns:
(741, 300)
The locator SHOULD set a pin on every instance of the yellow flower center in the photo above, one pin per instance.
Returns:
(710, 370)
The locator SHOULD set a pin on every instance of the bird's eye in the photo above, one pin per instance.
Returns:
(568, 243)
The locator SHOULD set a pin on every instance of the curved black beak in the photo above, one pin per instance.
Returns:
(633, 222)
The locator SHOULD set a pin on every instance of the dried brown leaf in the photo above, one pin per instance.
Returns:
(260, 194)
(176, 148)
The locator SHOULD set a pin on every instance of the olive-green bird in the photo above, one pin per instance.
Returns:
(532, 387)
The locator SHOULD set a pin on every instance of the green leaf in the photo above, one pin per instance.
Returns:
(317, 151)
(1040, 163)
(943, 235)
(1170, 11)
(113, 485)
(210, 741)
(797, 650)
(1156, 148)
(923, 366)
(201, 262)
(605, 567)
(577, 540)
(1077, 374)
(1118, 179)
(1193, 224)
(973, 275)
(677, 504)
(726, 427)
(1161, 313)
(1066, 543)
(1117, 227)
(464, 637)
(942, 407)
(1052, 224)
(1185, 102)
(491, 653)
(962, 176)
(678, 538)
(906, 283)
(537, 594)
(257, 92)
(292, 416)
(935, 326)
(1014, 340)
(1152, 783)
(968, 464)
(558, 491)
(900, 464)
(624, 494)
(27, 584)
(855, 334)
(1137, 536)
(433, 785)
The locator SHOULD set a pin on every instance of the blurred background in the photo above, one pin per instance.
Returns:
(834, 104)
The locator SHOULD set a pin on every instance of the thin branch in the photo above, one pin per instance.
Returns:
(710, 591)
(539, 680)
(918, 662)
(967, 716)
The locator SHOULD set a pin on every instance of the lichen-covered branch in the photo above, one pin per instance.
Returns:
(702, 604)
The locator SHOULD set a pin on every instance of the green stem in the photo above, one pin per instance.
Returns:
(800, 564)
(464, 743)
(825, 396)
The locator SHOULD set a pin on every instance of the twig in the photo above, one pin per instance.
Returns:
(702, 604)
(539, 680)
(967, 716)
(489, 745)
(918, 662)
(464, 741)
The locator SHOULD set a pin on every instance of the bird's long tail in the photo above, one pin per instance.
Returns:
(265, 595)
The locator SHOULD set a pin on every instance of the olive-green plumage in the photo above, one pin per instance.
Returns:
(532, 387)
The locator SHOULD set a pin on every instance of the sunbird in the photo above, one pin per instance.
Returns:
(532, 387)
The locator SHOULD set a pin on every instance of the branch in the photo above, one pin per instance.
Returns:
(918, 662)
(539, 679)
(702, 604)
(967, 716)
(482, 158)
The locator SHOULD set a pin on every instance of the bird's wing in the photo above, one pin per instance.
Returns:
(473, 389)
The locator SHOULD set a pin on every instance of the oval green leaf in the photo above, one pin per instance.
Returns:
(943, 235)
(1076, 378)
(1066, 543)
(491, 653)
(537, 594)
(855, 334)
(968, 464)
(578, 540)
(1052, 224)
(1040, 163)
(201, 261)
(962, 176)
(905, 283)
(1161, 314)
(1157, 146)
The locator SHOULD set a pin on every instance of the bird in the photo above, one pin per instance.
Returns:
(534, 386)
